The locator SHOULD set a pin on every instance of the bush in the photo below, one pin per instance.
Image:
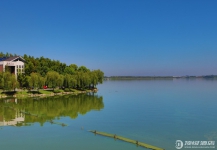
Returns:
(66, 90)
(72, 90)
(56, 91)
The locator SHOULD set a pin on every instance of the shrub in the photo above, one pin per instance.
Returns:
(72, 90)
(66, 90)
(56, 91)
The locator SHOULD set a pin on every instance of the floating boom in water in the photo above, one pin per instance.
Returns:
(127, 140)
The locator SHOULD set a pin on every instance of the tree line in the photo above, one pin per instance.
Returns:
(53, 73)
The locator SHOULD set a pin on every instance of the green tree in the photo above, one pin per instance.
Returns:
(74, 76)
(83, 69)
(9, 81)
(72, 81)
(14, 82)
(29, 67)
(41, 82)
(33, 80)
(66, 80)
(60, 80)
(100, 75)
(74, 66)
(6, 80)
(93, 78)
(22, 79)
(51, 79)
(69, 70)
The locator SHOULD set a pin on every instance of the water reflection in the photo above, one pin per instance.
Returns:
(24, 112)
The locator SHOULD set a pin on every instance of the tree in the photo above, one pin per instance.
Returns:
(54, 73)
(41, 82)
(60, 80)
(29, 68)
(9, 81)
(93, 78)
(78, 78)
(86, 79)
(14, 82)
(74, 66)
(100, 75)
(66, 80)
(1, 80)
(69, 70)
(83, 69)
(51, 79)
(33, 80)
(72, 81)
(6, 80)
(22, 79)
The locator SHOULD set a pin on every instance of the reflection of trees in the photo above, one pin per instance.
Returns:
(51, 107)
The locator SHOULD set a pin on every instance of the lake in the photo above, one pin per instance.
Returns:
(157, 112)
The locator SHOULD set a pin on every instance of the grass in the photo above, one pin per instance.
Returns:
(45, 91)
(27, 93)
(22, 92)
(61, 90)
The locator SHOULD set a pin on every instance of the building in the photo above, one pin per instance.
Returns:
(15, 64)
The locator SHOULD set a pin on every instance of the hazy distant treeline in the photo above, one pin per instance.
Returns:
(160, 77)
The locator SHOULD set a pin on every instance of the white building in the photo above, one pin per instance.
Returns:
(14, 64)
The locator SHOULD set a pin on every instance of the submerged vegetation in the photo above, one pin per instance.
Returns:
(53, 73)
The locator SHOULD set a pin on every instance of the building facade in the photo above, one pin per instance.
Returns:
(15, 65)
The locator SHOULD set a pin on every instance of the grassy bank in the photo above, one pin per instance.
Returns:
(40, 93)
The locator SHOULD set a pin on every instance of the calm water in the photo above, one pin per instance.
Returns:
(156, 112)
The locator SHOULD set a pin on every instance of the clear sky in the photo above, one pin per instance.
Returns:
(120, 37)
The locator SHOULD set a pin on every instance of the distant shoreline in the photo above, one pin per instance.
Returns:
(160, 77)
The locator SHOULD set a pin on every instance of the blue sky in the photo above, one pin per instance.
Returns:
(120, 37)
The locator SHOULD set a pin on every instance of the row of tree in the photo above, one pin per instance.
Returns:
(44, 71)
(79, 80)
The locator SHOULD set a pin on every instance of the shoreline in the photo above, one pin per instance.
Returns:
(160, 77)
(2, 96)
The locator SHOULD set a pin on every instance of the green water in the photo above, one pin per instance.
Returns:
(157, 112)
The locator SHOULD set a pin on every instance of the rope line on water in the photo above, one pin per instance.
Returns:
(126, 140)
